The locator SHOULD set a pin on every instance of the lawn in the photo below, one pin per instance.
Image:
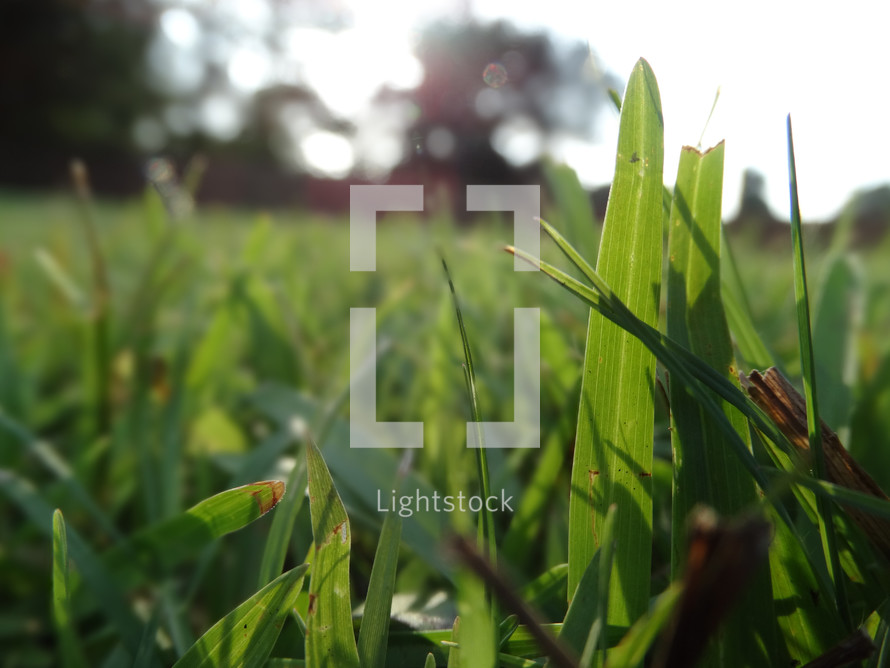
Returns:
(149, 363)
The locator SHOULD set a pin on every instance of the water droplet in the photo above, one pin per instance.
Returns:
(495, 75)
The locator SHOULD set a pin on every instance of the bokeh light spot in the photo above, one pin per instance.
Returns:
(494, 75)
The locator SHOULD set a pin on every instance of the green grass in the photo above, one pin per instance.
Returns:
(152, 371)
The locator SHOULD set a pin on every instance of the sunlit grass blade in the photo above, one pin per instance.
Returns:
(70, 648)
(329, 637)
(246, 636)
(163, 545)
(705, 469)
(374, 632)
(826, 510)
(697, 376)
(613, 446)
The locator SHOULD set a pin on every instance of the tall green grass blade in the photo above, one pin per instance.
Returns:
(246, 636)
(70, 648)
(697, 376)
(487, 538)
(705, 469)
(613, 447)
(374, 632)
(430, 661)
(329, 637)
(826, 510)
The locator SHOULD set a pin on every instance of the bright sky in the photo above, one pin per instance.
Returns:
(827, 68)
(768, 57)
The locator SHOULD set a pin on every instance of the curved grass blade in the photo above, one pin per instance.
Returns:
(166, 544)
(698, 377)
(245, 637)
(329, 637)
(70, 647)
(613, 446)
(826, 511)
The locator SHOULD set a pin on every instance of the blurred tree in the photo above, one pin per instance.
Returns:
(494, 99)
(114, 81)
(71, 83)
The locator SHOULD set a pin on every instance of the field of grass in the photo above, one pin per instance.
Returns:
(148, 363)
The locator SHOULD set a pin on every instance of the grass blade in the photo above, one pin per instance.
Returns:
(374, 632)
(808, 365)
(613, 447)
(697, 376)
(166, 544)
(633, 647)
(245, 637)
(280, 532)
(488, 540)
(70, 648)
(583, 629)
(705, 470)
(94, 573)
(329, 637)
